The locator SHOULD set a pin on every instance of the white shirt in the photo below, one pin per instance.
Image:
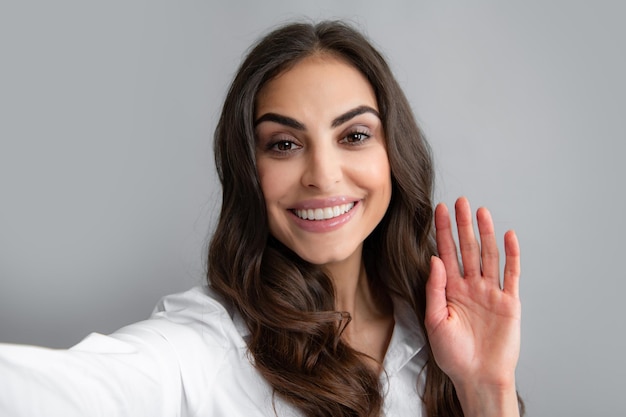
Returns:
(188, 360)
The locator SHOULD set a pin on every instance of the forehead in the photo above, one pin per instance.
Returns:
(318, 82)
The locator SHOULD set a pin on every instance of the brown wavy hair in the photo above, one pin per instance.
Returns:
(287, 303)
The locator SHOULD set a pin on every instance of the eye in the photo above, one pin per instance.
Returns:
(355, 138)
(282, 146)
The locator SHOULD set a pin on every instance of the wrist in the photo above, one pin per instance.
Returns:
(488, 400)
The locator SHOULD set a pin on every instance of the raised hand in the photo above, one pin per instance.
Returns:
(472, 320)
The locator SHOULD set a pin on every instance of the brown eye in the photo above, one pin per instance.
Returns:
(355, 138)
(284, 146)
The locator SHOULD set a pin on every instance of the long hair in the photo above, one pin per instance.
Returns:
(287, 303)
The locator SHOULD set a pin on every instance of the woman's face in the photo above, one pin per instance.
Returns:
(321, 159)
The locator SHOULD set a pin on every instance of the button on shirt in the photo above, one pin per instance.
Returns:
(189, 359)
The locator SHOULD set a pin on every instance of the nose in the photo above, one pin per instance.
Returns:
(323, 168)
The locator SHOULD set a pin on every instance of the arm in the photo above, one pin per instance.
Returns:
(473, 322)
(103, 375)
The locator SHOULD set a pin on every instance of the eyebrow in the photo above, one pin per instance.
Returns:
(280, 119)
(350, 114)
(337, 121)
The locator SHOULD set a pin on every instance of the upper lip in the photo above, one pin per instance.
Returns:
(323, 202)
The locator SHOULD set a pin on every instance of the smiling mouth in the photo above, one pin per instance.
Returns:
(325, 213)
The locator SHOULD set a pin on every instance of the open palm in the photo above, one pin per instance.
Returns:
(473, 322)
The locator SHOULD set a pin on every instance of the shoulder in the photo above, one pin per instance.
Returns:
(198, 332)
(194, 317)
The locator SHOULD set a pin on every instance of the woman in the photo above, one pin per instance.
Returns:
(325, 296)
(280, 296)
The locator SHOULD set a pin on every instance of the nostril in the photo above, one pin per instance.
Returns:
(322, 175)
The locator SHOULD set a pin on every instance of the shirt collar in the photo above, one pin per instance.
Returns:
(407, 339)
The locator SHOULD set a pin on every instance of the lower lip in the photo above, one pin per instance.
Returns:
(321, 226)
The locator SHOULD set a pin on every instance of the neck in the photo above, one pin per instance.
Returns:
(371, 311)
(354, 293)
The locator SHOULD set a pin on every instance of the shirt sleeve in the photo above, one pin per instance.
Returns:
(130, 373)
(167, 365)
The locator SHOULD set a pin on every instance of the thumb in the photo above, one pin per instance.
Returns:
(436, 302)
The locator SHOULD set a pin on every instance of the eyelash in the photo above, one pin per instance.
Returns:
(273, 146)
(364, 137)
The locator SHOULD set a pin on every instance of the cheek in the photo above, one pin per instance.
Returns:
(269, 181)
(374, 172)
(382, 172)
(274, 180)
(265, 177)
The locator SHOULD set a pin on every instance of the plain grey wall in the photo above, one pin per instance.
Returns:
(108, 191)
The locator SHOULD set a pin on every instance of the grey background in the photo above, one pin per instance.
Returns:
(108, 190)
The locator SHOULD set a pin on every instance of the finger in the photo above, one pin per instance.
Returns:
(512, 266)
(470, 251)
(445, 242)
(488, 247)
(436, 302)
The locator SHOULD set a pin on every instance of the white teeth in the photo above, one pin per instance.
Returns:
(324, 213)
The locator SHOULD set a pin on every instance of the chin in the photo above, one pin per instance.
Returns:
(326, 257)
